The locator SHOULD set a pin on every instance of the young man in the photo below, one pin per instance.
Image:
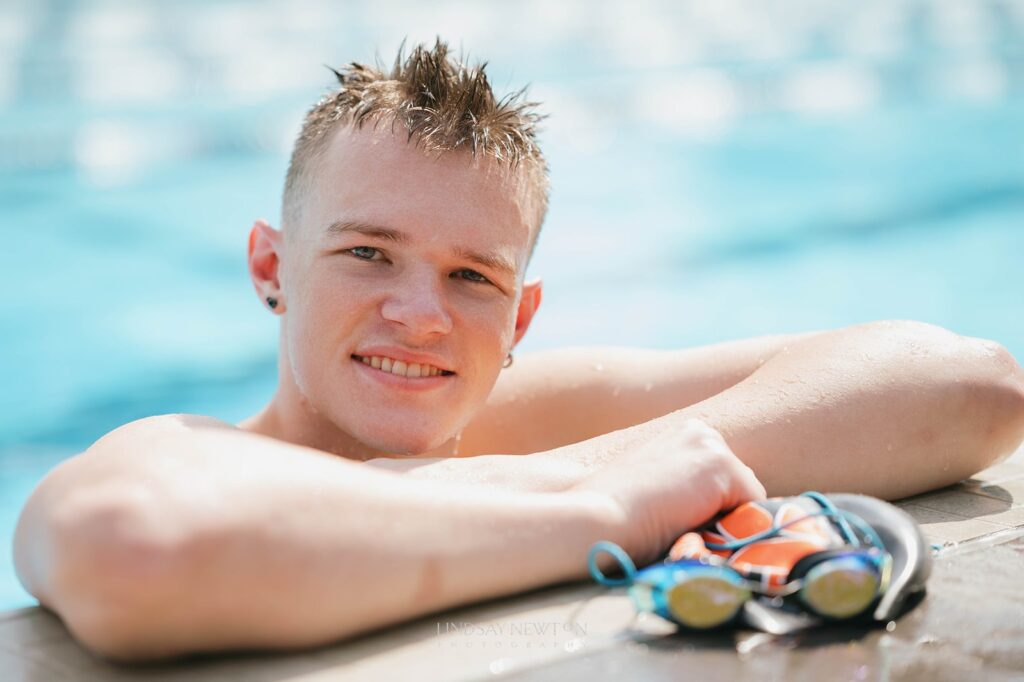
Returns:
(384, 479)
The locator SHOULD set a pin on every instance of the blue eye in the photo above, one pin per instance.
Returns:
(471, 276)
(364, 252)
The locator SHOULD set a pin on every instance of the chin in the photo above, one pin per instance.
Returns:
(409, 444)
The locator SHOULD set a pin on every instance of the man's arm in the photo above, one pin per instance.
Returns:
(885, 409)
(176, 535)
(569, 395)
(183, 534)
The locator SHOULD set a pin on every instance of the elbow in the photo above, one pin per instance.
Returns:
(977, 384)
(110, 580)
(999, 390)
(988, 391)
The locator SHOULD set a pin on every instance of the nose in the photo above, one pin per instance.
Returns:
(418, 304)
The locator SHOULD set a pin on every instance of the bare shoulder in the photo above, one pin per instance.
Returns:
(158, 427)
(553, 398)
(129, 441)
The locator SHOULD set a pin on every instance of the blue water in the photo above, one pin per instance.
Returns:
(719, 171)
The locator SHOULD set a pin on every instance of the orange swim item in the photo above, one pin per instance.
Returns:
(768, 561)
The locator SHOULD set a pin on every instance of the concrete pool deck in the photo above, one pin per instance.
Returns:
(969, 626)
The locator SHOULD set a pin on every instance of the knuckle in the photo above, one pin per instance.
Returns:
(694, 425)
(716, 446)
(700, 428)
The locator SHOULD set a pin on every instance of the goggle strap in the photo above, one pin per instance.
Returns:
(628, 567)
(842, 518)
(835, 514)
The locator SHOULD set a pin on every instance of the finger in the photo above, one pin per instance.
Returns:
(748, 485)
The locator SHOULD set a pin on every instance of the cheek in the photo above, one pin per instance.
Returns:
(318, 321)
(328, 306)
(488, 339)
(492, 329)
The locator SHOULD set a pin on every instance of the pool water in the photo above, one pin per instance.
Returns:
(719, 170)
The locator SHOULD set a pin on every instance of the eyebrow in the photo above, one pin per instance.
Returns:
(339, 227)
(492, 261)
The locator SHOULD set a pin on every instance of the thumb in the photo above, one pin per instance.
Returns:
(746, 486)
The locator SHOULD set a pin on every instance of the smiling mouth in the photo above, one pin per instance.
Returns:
(410, 370)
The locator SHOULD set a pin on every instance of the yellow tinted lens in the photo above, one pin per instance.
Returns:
(840, 588)
(704, 602)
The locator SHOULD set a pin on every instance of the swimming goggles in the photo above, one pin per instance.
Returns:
(835, 584)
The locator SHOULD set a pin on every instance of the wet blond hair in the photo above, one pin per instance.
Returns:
(439, 102)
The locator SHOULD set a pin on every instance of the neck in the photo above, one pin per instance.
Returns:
(290, 418)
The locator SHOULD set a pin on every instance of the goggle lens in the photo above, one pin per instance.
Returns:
(706, 601)
(841, 587)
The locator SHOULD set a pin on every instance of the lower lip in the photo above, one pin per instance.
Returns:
(403, 383)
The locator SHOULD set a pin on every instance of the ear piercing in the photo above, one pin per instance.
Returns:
(272, 302)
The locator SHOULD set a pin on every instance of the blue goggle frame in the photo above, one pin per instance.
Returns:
(706, 593)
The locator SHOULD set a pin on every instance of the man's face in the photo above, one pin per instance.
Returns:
(403, 259)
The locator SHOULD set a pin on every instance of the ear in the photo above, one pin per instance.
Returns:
(265, 262)
(528, 305)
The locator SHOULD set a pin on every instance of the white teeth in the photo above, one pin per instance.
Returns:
(412, 370)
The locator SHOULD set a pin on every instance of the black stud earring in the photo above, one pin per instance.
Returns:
(272, 302)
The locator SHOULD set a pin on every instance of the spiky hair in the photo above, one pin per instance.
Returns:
(441, 103)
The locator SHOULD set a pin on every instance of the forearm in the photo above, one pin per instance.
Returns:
(551, 471)
(882, 409)
(277, 554)
(886, 409)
